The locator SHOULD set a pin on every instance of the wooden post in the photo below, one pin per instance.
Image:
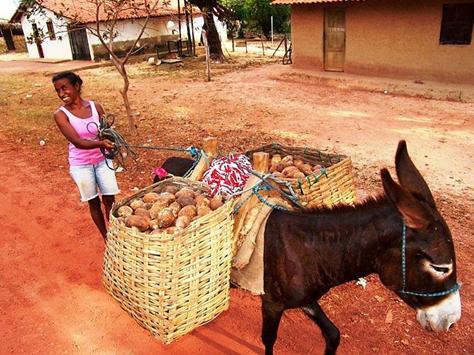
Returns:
(261, 163)
(192, 30)
(210, 145)
(246, 49)
(208, 56)
(233, 46)
(263, 47)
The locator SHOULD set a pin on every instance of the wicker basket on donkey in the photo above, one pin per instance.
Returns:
(171, 283)
(334, 184)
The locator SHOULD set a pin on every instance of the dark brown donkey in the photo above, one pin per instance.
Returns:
(400, 236)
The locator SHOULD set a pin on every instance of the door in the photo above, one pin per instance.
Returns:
(79, 43)
(334, 39)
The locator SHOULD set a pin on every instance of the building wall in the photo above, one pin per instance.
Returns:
(307, 28)
(128, 30)
(386, 38)
(60, 48)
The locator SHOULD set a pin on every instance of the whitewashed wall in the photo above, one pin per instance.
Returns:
(128, 30)
(60, 48)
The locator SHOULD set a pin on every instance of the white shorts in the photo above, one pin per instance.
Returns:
(92, 178)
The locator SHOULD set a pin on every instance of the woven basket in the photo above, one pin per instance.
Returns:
(336, 186)
(171, 283)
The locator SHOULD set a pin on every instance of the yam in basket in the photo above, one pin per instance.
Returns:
(170, 276)
(318, 178)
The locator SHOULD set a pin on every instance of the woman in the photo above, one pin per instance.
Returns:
(78, 120)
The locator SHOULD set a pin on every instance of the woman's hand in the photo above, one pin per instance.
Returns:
(107, 144)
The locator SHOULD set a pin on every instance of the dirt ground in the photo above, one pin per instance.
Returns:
(52, 299)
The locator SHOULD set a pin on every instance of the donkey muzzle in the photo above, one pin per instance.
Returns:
(441, 316)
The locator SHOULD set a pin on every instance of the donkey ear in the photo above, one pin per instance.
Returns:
(409, 176)
(414, 213)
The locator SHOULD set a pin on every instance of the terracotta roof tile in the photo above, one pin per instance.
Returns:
(84, 11)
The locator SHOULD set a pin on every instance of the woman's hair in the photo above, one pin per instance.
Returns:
(69, 75)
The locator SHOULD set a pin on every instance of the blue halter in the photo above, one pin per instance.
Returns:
(404, 269)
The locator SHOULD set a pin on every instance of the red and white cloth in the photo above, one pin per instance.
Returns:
(228, 175)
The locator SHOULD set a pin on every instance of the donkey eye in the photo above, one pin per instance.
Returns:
(442, 269)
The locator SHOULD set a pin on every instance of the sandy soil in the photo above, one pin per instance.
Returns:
(52, 300)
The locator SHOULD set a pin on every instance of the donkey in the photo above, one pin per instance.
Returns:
(400, 236)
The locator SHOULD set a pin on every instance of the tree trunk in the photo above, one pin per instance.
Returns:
(215, 47)
(124, 92)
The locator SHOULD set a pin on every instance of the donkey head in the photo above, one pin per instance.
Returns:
(421, 269)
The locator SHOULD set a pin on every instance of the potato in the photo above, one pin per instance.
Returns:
(216, 202)
(142, 212)
(189, 211)
(299, 175)
(150, 197)
(165, 218)
(167, 196)
(203, 210)
(298, 162)
(287, 159)
(202, 200)
(317, 168)
(185, 192)
(170, 230)
(290, 171)
(140, 222)
(277, 174)
(124, 211)
(154, 224)
(137, 203)
(186, 201)
(273, 168)
(183, 221)
(276, 158)
(306, 169)
(175, 207)
(172, 189)
(155, 209)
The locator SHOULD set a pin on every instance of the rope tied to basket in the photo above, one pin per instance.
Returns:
(265, 185)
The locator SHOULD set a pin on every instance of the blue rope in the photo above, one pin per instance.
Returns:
(258, 188)
(404, 269)
(196, 155)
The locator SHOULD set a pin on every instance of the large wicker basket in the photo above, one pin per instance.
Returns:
(333, 187)
(171, 283)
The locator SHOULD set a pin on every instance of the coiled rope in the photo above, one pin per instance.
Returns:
(121, 149)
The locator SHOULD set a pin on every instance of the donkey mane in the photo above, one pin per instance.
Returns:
(371, 203)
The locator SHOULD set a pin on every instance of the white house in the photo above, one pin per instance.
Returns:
(61, 29)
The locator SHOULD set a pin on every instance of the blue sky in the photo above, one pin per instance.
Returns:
(7, 8)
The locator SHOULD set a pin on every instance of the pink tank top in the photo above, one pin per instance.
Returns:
(86, 128)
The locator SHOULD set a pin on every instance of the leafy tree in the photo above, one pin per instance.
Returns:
(210, 8)
(255, 15)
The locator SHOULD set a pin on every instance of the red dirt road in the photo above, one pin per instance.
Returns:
(52, 300)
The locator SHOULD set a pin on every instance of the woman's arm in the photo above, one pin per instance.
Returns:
(100, 109)
(70, 133)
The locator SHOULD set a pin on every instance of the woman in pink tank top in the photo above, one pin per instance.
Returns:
(78, 120)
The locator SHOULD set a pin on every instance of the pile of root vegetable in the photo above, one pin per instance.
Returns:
(292, 168)
(167, 210)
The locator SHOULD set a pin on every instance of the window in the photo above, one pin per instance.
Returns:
(52, 35)
(456, 24)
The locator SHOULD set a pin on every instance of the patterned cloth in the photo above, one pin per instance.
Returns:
(228, 175)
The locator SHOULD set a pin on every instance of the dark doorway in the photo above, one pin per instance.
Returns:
(79, 43)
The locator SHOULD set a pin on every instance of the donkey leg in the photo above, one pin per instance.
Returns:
(329, 330)
(271, 315)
